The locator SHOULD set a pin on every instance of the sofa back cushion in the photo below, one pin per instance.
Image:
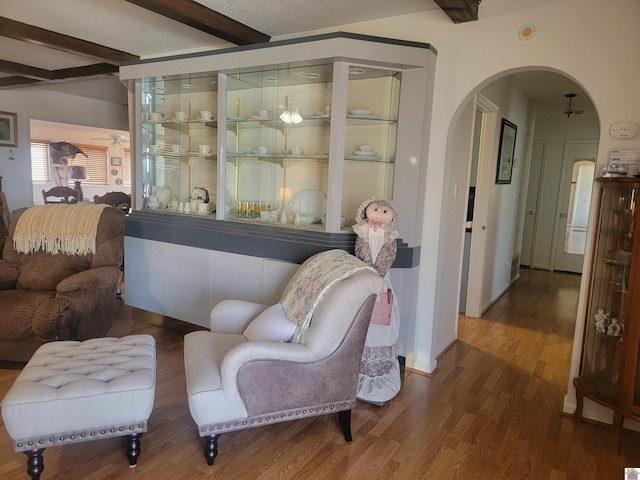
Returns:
(43, 271)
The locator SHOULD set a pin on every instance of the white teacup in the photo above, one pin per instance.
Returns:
(194, 204)
(152, 149)
(264, 113)
(263, 150)
(173, 204)
(155, 116)
(181, 116)
(296, 151)
(365, 148)
(205, 115)
(204, 149)
(203, 208)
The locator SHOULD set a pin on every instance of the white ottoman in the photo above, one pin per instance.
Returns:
(73, 392)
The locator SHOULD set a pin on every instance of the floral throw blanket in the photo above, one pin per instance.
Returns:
(311, 282)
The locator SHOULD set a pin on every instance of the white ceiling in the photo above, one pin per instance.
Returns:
(124, 26)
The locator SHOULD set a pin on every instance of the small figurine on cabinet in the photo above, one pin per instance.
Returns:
(601, 320)
(614, 328)
(379, 378)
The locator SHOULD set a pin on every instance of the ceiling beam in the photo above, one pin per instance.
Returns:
(47, 38)
(202, 18)
(24, 70)
(460, 11)
(28, 76)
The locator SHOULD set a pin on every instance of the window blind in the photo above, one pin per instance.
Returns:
(40, 161)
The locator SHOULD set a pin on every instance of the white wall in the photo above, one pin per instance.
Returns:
(35, 103)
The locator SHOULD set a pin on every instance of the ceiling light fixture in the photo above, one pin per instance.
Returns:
(571, 110)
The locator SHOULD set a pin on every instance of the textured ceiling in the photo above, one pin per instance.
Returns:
(124, 26)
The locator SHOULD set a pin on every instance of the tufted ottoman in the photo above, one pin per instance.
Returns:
(72, 392)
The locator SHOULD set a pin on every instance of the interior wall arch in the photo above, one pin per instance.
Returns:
(512, 102)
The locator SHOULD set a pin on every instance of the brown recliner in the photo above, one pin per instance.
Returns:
(45, 297)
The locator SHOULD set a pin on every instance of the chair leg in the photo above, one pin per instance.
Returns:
(345, 422)
(35, 463)
(211, 448)
(133, 448)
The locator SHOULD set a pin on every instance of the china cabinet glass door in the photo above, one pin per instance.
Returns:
(603, 351)
(178, 140)
(370, 140)
(277, 144)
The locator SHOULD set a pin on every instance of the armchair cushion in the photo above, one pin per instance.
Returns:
(272, 325)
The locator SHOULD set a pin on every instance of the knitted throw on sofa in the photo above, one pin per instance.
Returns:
(311, 282)
(69, 229)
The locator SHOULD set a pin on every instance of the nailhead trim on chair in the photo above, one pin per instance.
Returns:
(258, 420)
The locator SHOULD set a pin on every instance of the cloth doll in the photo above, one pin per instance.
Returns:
(379, 377)
(376, 242)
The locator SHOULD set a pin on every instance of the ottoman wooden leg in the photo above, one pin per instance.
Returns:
(133, 448)
(211, 448)
(35, 463)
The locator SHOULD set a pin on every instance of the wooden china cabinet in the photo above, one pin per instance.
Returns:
(609, 373)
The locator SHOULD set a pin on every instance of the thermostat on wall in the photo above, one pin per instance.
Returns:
(624, 130)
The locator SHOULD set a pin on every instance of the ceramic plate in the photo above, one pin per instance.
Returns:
(363, 158)
(360, 153)
(164, 194)
(310, 203)
(361, 112)
(368, 117)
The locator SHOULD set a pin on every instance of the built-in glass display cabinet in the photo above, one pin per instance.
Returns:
(609, 373)
(296, 143)
(246, 161)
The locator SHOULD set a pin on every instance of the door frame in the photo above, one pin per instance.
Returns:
(477, 256)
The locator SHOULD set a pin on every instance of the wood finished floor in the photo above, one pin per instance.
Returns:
(492, 411)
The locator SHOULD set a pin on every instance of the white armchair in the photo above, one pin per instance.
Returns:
(244, 373)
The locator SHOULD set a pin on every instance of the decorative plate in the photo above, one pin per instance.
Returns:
(310, 203)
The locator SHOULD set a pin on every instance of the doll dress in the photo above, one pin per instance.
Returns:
(379, 378)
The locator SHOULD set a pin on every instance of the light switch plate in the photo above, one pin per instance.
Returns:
(624, 130)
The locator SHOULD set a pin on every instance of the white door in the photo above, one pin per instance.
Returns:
(574, 203)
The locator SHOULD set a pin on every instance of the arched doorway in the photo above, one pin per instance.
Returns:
(503, 223)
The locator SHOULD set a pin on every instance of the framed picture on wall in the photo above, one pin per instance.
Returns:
(8, 129)
(506, 151)
(116, 161)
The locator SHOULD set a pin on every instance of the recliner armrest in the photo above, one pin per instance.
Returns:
(233, 316)
(90, 279)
